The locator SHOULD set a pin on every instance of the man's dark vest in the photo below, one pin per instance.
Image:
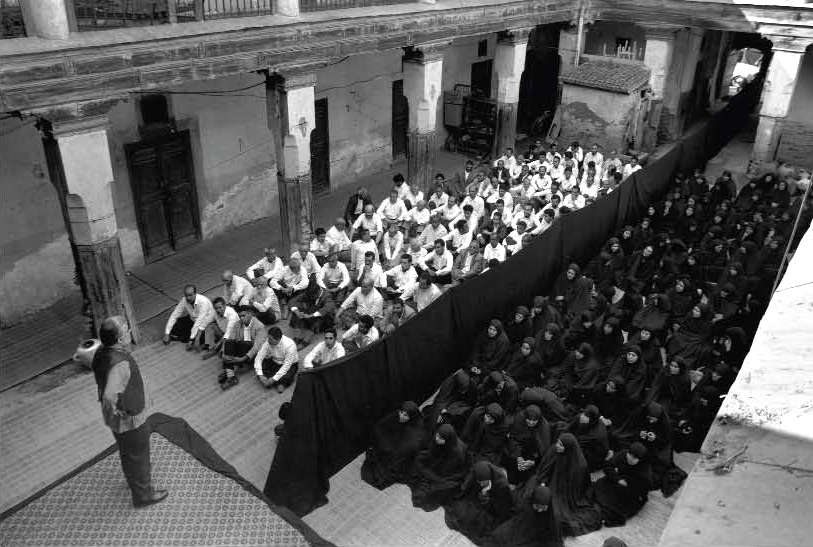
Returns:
(132, 400)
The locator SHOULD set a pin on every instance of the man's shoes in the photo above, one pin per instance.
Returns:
(279, 430)
(157, 497)
(229, 382)
(280, 388)
(221, 377)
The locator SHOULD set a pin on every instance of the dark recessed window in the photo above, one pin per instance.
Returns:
(482, 48)
(154, 109)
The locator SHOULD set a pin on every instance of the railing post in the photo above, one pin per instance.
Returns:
(198, 10)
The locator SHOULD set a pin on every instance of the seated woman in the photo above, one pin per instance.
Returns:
(564, 470)
(689, 338)
(525, 366)
(520, 326)
(672, 388)
(652, 352)
(584, 376)
(486, 433)
(624, 488)
(484, 503)
(439, 470)
(633, 370)
(591, 433)
(453, 403)
(552, 407)
(607, 344)
(549, 346)
(612, 402)
(651, 427)
(691, 429)
(396, 440)
(528, 439)
(501, 389)
(490, 350)
(533, 525)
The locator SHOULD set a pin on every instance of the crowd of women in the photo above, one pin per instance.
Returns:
(624, 363)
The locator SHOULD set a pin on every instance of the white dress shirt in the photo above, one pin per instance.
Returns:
(239, 292)
(264, 299)
(270, 269)
(597, 159)
(629, 169)
(308, 261)
(373, 224)
(422, 297)
(392, 211)
(358, 250)
(376, 273)
(296, 280)
(228, 322)
(392, 245)
(338, 238)
(441, 262)
(283, 354)
(202, 313)
(371, 304)
(430, 234)
(321, 354)
(477, 204)
(492, 252)
(439, 200)
(329, 274)
(403, 279)
(361, 340)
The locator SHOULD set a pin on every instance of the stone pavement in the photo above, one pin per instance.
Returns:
(49, 338)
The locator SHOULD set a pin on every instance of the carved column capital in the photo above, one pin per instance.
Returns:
(515, 35)
(428, 52)
(659, 31)
(794, 44)
(76, 118)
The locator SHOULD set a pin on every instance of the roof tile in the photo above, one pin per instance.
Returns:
(617, 77)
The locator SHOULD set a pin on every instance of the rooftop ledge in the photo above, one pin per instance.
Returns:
(85, 39)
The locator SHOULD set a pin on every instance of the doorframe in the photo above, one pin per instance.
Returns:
(195, 206)
(327, 189)
(396, 157)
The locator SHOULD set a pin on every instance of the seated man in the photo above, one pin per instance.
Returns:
(458, 239)
(370, 221)
(291, 283)
(360, 247)
(400, 277)
(334, 278)
(468, 263)
(513, 243)
(277, 361)
(268, 266)
(423, 293)
(360, 335)
(416, 250)
(434, 231)
(438, 264)
(413, 196)
(236, 290)
(226, 319)
(391, 246)
(308, 260)
(476, 202)
(397, 315)
(494, 249)
(365, 300)
(371, 269)
(448, 212)
(545, 221)
(355, 205)
(264, 301)
(320, 246)
(189, 319)
(417, 218)
(392, 210)
(240, 345)
(574, 200)
(338, 239)
(314, 312)
(325, 351)
(438, 198)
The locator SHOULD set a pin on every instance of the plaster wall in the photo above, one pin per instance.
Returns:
(457, 61)
(232, 151)
(796, 143)
(36, 264)
(594, 115)
(359, 97)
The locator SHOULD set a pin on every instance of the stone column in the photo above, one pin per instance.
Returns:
(777, 93)
(46, 18)
(660, 45)
(291, 118)
(87, 178)
(509, 63)
(423, 89)
(288, 8)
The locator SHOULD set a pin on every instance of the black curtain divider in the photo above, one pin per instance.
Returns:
(334, 407)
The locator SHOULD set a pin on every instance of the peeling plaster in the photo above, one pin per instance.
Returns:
(37, 280)
(251, 198)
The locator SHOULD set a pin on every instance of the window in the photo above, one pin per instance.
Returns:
(482, 48)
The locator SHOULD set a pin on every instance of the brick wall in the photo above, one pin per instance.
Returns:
(796, 144)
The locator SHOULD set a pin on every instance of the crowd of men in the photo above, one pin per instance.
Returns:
(622, 364)
(380, 264)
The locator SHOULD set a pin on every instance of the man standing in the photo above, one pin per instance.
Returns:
(125, 407)
(190, 318)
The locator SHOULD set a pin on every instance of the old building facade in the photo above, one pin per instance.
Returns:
(127, 136)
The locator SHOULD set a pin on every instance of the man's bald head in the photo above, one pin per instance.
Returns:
(112, 330)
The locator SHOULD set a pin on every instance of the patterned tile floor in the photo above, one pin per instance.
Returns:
(204, 508)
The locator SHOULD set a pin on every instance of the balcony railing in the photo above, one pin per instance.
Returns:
(11, 19)
(103, 14)
(322, 5)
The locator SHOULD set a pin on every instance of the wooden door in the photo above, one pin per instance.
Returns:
(164, 196)
(400, 120)
(481, 79)
(320, 150)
